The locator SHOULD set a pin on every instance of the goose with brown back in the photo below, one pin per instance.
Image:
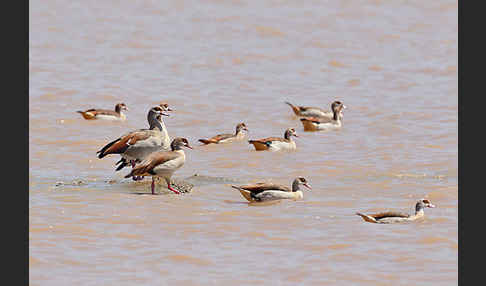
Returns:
(394, 217)
(105, 114)
(162, 164)
(309, 111)
(276, 143)
(324, 123)
(269, 191)
(136, 145)
(227, 138)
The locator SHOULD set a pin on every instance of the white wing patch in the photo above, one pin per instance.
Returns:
(280, 145)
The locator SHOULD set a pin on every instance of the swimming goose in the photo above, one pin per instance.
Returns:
(324, 123)
(105, 113)
(136, 145)
(227, 138)
(308, 111)
(162, 164)
(276, 143)
(268, 191)
(394, 217)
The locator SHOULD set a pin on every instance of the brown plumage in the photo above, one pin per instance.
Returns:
(315, 123)
(276, 143)
(146, 167)
(309, 111)
(271, 191)
(136, 145)
(94, 113)
(120, 145)
(394, 217)
(226, 138)
(165, 106)
(162, 163)
(260, 187)
(378, 216)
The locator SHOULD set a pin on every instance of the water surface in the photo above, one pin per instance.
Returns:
(218, 63)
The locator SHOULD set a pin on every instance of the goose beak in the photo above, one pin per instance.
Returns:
(344, 106)
(164, 114)
(187, 145)
(307, 185)
(431, 206)
(126, 108)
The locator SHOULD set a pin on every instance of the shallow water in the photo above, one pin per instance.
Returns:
(217, 63)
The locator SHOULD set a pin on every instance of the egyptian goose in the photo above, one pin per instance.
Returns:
(394, 217)
(105, 114)
(165, 106)
(276, 143)
(268, 191)
(162, 163)
(324, 123)
(308, 111)
(227, 138)
(136, 145)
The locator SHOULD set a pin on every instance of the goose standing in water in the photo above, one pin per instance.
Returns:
(394, 217)
(260, 192)
(136, 145)
(105, 114)
(227, 138)
(162, 164)
(276, 143)
(324, 123)
(308, 111)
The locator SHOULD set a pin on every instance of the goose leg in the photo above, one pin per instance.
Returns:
(170, 188)
(153, 186)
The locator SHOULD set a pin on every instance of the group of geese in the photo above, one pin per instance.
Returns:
(150, 152)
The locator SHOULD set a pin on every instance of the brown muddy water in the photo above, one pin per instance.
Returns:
(217, 63)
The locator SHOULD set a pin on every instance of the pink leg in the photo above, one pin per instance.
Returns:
(153, 185)
(170, 188)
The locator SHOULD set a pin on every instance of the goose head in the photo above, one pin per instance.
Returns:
(300, 181)
(241, 126)
(165, 106)
(120, 106)
(178, 143)
(423, 203)
(337, 107)
(290, 132)
(158, 110)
